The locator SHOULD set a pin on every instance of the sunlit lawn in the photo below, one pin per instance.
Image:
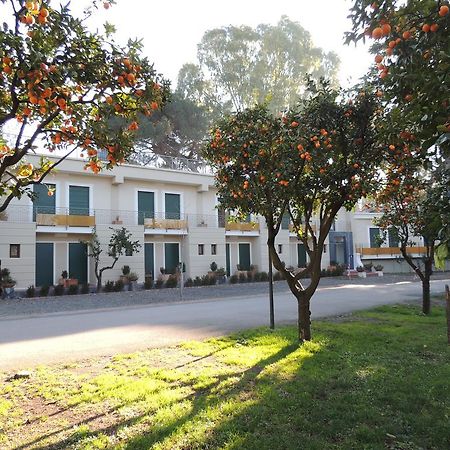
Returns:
(375, 380)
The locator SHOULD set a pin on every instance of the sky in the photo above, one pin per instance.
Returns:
(171, 30)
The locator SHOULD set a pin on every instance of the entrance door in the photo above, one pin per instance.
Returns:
(44, 264)
(244, 256)
(171, 256)
(78, 262)
(149, 259)
(228, 259)
(301, 255)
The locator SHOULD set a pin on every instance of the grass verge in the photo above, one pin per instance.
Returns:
(374, 380)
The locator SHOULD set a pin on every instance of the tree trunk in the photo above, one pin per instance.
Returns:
(304, 318)
(426, 300)
(99, 282)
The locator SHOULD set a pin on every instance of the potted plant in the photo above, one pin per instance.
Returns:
(379, 269)
(132, 281)
(7, 283)
(125, 274)
(221, 275)
(64, 276)
(361, 272)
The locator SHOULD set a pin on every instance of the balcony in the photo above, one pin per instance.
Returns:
(386, 252)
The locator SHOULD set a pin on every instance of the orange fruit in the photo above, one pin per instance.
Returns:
(386, 29)
(377, 33)
(443, 10)
(434, 27)
(389, 51)
(425, 28)
(392, 44)
(44, 12)
(408, 97)
(378, 59)
(406, 35)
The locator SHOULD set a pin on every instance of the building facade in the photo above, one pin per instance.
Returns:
(173, 212)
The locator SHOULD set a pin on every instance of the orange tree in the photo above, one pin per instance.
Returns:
(411, 48)
(60, 85)
(308, 163)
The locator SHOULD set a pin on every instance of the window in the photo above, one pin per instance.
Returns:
(201, 249)
(78, 201)
(375, 237)
(213, 249)
(280, 248)
(14, 250)
(173, 206)
(393, 237)
(285, 221)
(146, 206)
(44, 199)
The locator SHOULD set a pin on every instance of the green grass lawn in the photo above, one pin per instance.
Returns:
(374, 380)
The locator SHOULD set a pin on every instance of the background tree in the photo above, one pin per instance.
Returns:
(241, 66)
(59, 83)
(309, 163)
(120, 244)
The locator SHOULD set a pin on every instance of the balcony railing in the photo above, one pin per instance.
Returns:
(242, 226)
(388, 251)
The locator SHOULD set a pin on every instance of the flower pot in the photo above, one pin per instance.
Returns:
(362, 274)
(380, 273)
(8, 292)
(70, 282)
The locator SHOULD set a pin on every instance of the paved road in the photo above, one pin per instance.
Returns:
(48, 338)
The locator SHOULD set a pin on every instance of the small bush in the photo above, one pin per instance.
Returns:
(73, 289)
(148, 283)
(278, 276)
(379, 267)
(172, 282)
(242, 278)
(118, 286)
(360, 269)
(250, 276)
(257, 277)
(189, 282)
(59, 290)
(43, 292)
(213, 266)
(159, 283)
(234, 279)
(209, 281)
(197, 281)
(31, 291)
(125, 270)
(368, 267)
(85, 288)
(109, 286)
(263, 276)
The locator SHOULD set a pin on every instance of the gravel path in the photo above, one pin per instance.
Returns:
(67, 303)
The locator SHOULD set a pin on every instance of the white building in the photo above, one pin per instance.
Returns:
(172, 211)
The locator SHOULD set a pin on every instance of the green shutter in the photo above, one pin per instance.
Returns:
(173, 209)
(171, 257)
(146, 206)
(44, 264)
(301, 255)
(244, 256)
(228, 259)
(78, 200)
(149, 259)
(374, 235)
(78, 262)
(42, 202)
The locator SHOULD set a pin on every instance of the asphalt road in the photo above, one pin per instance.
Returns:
(58, 337)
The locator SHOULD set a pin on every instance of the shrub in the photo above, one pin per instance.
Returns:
(118, 286)
(31, 291)
(257, 276)
(132, 276)
(213, 266)
(43, 292)
(264, 276)
(172, 282)
(250, 276)
(109, 286)
(59, 290)
(64, 275)
(159, 283)
(242, 278)
(360, 269)
(85, 288)
(73, 289)
(378, 267)
(208, 281)
(148, 283)
(189, 282)
(277, 276)
(125, 270)
(197, 281)
(338, 270)
(234, 279)
(368, 267)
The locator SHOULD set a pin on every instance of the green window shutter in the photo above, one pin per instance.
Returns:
(149, 259)
(173, 207)
(301, 255)
(78, 200)
(228, 259)
(171, 257)
(244, 256)
(285, 222)
(42, 202)
(44, 264)
(374, 235)
(146, 206)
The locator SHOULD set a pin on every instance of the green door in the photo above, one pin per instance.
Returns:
(42, 202)
(244, 256)
(78, 200)
(171, 257)
(227, 259)
(149, 260)
(44, 264)
(146, 206)
(78, 261)
(301, 255)
(173, 208)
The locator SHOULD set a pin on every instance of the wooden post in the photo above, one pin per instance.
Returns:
(447, 298)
